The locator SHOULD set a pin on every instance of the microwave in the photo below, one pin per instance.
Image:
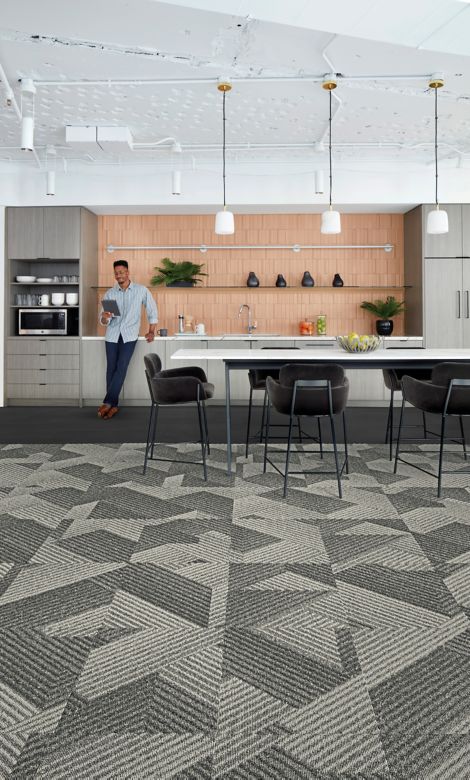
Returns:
(42, 322)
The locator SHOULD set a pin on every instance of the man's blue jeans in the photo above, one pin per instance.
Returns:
(118, 355)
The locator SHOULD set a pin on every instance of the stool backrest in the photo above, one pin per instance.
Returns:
(293, 372)
(444, 372)
(153, 364)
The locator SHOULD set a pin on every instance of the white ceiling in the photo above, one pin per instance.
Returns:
(377, 122)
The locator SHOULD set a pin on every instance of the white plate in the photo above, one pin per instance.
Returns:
(26, 279)
(44, 280)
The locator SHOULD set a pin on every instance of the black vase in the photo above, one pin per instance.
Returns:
(307, 280)
(252, 280)
(384, 327)
(337, 281)
(280, 281)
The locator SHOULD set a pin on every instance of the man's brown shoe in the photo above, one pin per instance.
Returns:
(114, 410)
(104, 409)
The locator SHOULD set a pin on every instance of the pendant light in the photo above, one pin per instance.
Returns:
(438, 221)
(224, 222)
(330, 220)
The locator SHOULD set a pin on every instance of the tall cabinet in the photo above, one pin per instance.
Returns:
(59, 245)
(437, 275)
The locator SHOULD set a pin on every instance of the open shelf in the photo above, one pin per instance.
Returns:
(51, 306)
(297, 289)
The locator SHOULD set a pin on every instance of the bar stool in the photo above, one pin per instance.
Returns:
(447, 394)
(392, 379)
(176, 386)
(319, 390)
(257, 379)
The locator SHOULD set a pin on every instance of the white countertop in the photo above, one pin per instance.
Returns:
(293, 355)
(246, 337)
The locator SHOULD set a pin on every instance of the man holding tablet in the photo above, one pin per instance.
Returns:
(122, 308)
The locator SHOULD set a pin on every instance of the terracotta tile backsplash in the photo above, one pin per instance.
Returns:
(276, 310)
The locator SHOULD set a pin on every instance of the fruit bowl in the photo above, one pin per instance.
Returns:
(356, 343)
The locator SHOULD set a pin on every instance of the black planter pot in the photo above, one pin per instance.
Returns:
(252, 280)
(307, 280)
(384, 327)
(181, 284)
(280, 281)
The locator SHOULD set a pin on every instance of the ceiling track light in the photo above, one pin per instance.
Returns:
(27, 121)
(437, 222)
(224, 222)
(330, 220)
(50, 183)
(176, 183)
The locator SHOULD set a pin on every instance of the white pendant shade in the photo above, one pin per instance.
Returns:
(224, 223)
(437, 222)
(330, 222)
(50, 183)
(27, 133)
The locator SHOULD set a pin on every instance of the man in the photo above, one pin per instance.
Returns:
(123, 331)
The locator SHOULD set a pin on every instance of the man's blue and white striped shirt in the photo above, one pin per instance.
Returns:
(130, 302)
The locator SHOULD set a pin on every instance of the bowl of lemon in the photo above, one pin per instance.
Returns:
(353, 342)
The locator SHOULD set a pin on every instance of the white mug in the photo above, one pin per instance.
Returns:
(58, 299)
(71, 299)
(44, 299)
(201, 329)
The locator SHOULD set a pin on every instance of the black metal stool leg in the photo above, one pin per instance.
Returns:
(320, 440)
(345, 435)
(154, 429)
(425, 430)
(266, 435)
(149, 433)
(206, 427)
(441, 454)
(263, 417)
(387, 430)
(390, 432)
(299, 429)
(202, 434)
(335, 450)
(289, 439)
(248, 422)
(399, 435)
(464, 443)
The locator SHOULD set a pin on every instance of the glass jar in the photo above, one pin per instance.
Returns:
(321, 325)
(306, 328)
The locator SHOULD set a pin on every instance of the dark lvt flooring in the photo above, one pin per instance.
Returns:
(162, 627)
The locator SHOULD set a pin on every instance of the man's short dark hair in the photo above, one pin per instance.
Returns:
(121, 262)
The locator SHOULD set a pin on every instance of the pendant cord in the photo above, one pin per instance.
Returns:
(435, 138)
(331, 177)
(223, 143)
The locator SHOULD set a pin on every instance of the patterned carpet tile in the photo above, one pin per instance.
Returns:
(158, 626)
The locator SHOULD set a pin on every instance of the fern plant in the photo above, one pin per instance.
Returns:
(384, 310)
(172, 273)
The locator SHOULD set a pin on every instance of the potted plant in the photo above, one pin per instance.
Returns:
(384, 310)
(183, 274)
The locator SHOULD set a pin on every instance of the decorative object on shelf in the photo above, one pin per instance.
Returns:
(224, 222)
(280, 281)
(252, 280)
(321, 325)
(385, 310)
(308, 280)
(306, 328)
(353, 342)
(437, 221)
(184, 274)
(337, 281)
(330, 220)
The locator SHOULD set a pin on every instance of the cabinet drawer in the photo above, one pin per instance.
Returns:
(40, 346)
(33, 391)
(58, 362)
(43, 376)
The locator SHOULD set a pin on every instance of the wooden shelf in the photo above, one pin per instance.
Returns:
(296, 289)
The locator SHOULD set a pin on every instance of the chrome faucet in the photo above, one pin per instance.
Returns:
(251, 325)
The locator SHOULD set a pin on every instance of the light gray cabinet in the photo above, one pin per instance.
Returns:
(135, 385)
(44, 232)
(447, 301)
(93, 370)
(25, 233)
(43, 369)
(447, 244)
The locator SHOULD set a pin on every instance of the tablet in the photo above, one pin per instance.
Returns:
(111, 305)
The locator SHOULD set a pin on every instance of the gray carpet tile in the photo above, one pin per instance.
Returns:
(157, 626)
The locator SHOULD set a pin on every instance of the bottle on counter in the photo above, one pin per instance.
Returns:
(180, 323)
(321, 325)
